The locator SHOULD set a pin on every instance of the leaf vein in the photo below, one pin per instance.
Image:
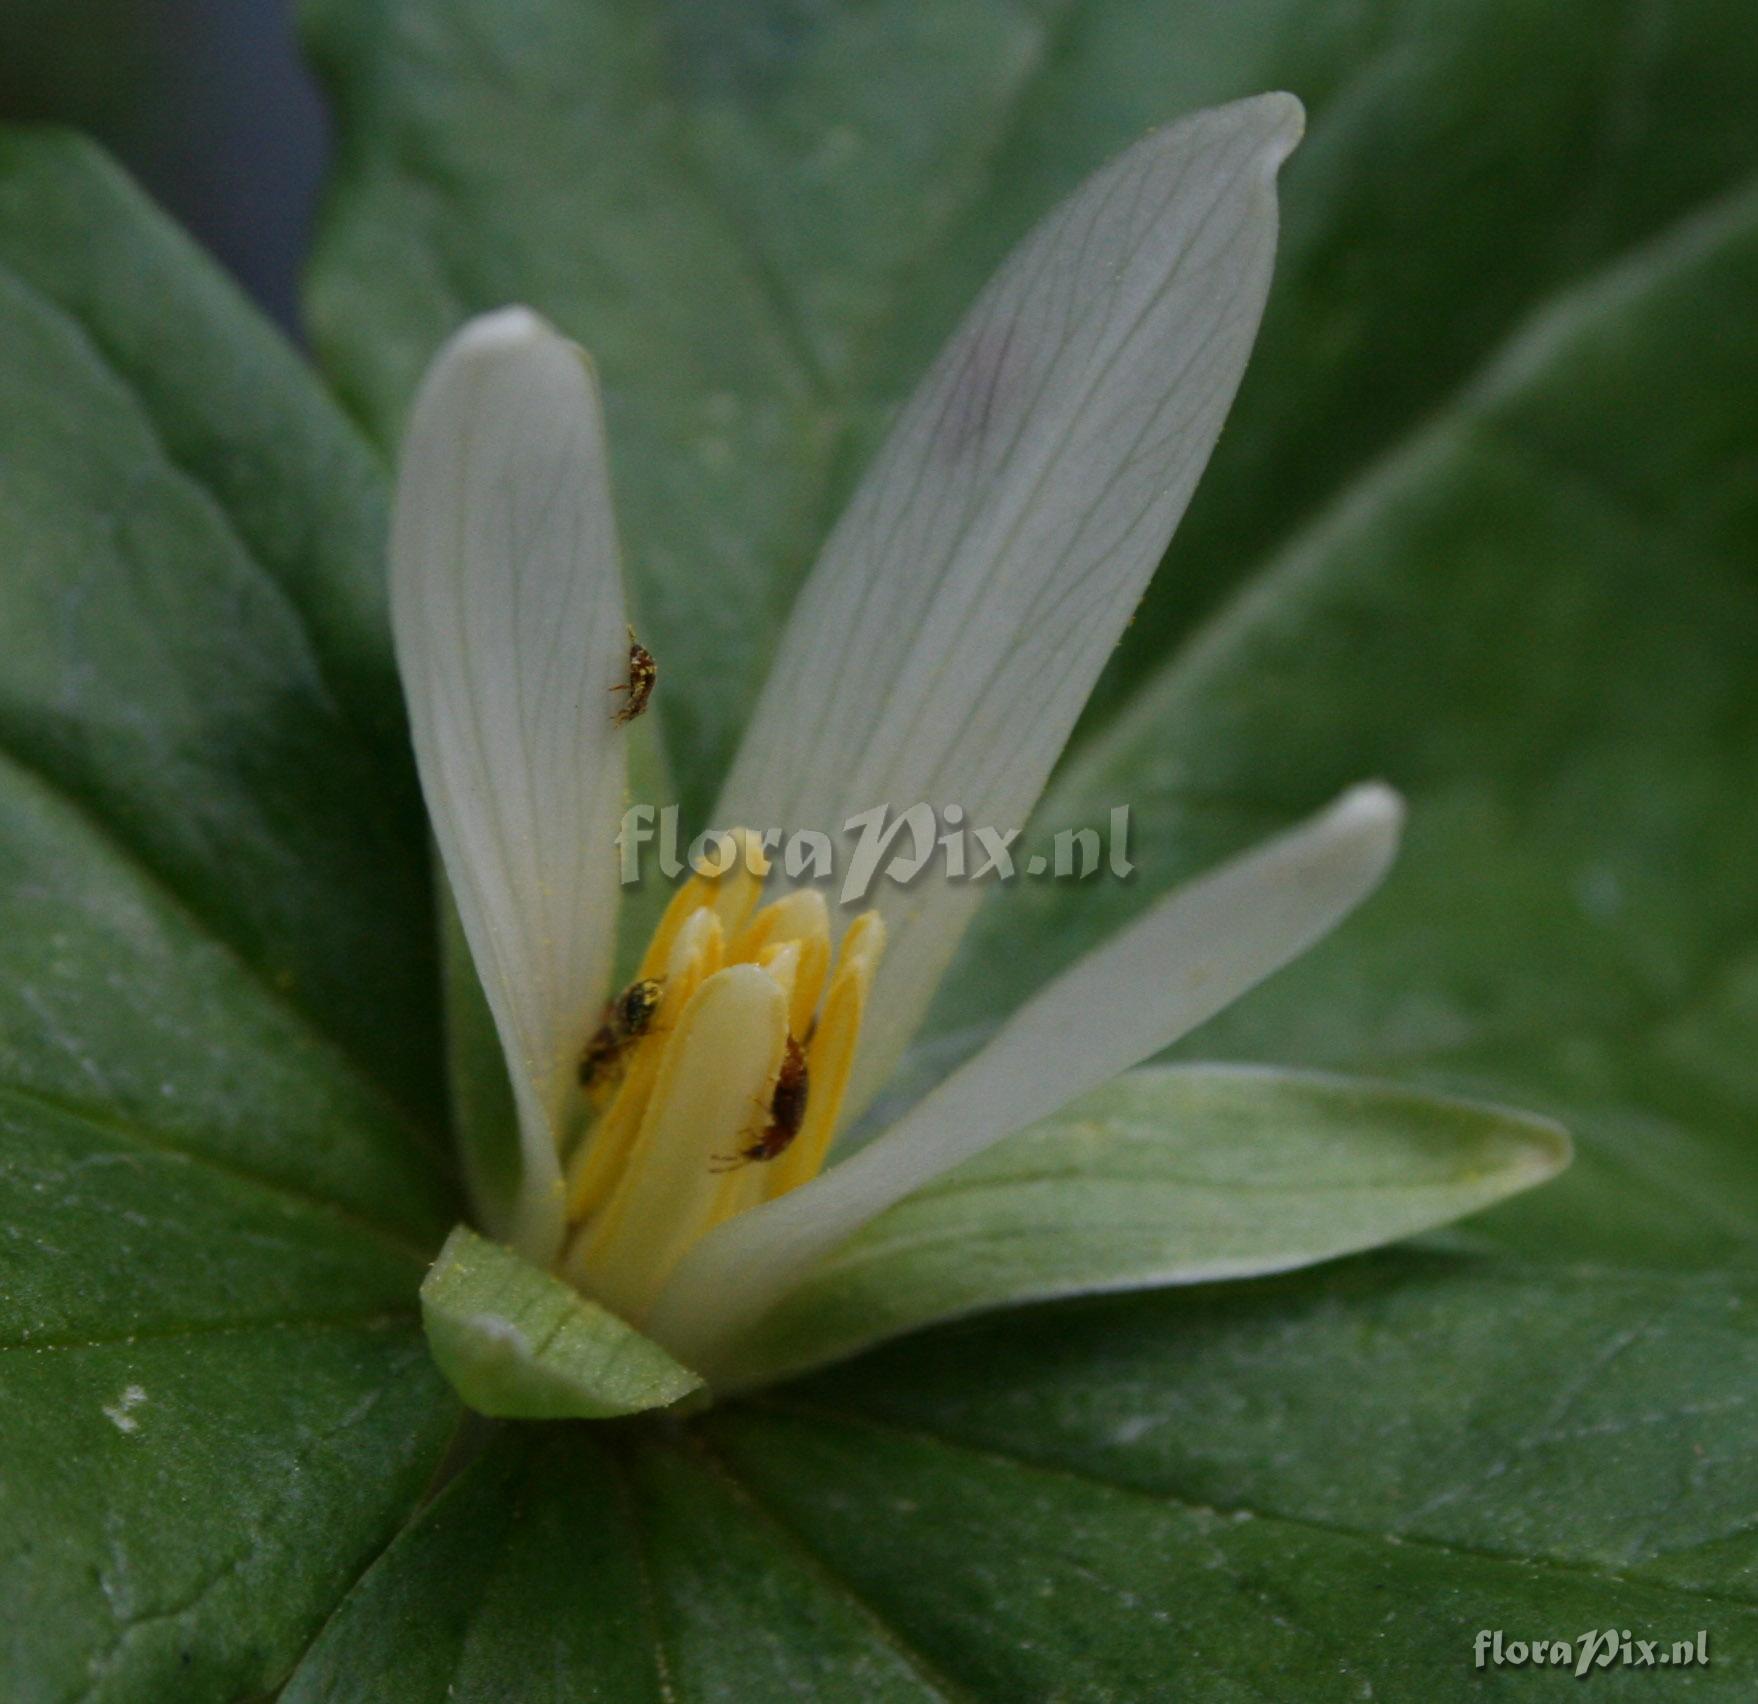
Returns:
(1057, 1470)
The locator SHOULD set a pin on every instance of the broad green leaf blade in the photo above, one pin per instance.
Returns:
(729, 378)
(625, 1570)
(520, 1345)
(763, 220)
(1153, 1597)
(196, 655)
(216, 918)
(219, 1177)
(1176, 1175)
(215, 1407)
(526, 1565)
(485, 1120)
(1284, 1489)
(181, 1514)
(1536, 618)
(118, 1004)
(1545, 1416)
(1539, 620)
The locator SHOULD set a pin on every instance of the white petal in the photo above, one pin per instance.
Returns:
(968, 598)
(1191, 954)
(507, 607)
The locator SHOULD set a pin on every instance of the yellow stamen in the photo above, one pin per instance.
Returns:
(731, 895)
(695, 1130)
(831, 1056)
(696, 954)
(726, 1048)
(804, 919)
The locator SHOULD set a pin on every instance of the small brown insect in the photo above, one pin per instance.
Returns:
(787, 1112)
(643, 673)
(627, 1017)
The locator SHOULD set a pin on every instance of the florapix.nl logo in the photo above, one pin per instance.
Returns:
(1598, 1648)
(900, 847)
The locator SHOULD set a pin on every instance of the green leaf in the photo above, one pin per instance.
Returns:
(493, 1586)
(196, 650)
(1179, 1175)
(219, 1172)
(763, 217)
(1489, 495)
(612, 1568)
(1271, 1489)
(520, 1345)
(1302, 1487)
(1539, 620)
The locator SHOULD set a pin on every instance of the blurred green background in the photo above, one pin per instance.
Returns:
(205, 101)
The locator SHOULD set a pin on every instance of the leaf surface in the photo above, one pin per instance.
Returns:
(1489, 491)
(220, 1168)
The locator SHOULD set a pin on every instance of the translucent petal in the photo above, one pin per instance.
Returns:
(1187, 957)
(965, 603)
(507, 608)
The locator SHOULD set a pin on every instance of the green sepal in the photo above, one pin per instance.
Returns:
(518, 1344)
(1167, 1175)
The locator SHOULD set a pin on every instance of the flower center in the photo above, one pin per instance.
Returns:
(716, 1078)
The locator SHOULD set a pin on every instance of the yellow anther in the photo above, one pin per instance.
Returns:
(718, 1061)
(792, 917)
(782, 960)
(831, 1055)
(732, 1096)
(803, 918)
(732, 895)
(696, 954)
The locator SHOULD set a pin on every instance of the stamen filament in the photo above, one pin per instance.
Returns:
(731, 1095)
(723, 1054)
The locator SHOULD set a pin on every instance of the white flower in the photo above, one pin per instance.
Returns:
(941, 650)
